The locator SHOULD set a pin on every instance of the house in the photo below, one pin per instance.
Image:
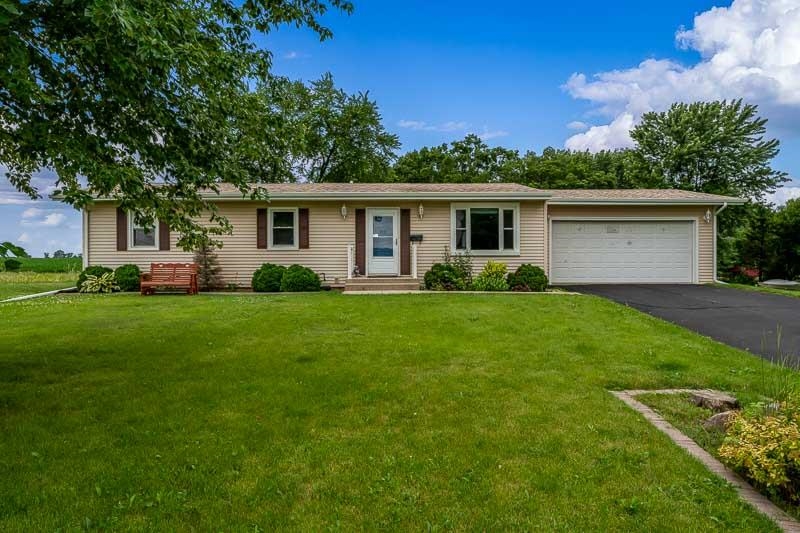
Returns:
(345, 231)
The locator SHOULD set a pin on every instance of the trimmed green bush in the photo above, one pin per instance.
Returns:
(127, 277)
(491, 278)
(445, 277)
(12, 265)
(528, 278)
(95, 270)
(298, 278)
(268, 278)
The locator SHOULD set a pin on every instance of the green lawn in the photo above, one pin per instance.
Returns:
(316, 412)
(795, 293)
(22, 283)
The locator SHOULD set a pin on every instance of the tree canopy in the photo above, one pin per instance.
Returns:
(469, 160)
(336, 137)
(713, 147)
(125, 95)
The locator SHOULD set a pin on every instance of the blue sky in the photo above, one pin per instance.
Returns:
(524, 75)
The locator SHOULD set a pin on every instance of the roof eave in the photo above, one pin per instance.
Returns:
(306, 196)
(660, 201)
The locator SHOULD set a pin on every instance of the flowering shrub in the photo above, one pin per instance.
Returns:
(743, 275)
(491, 278)
(765, 447)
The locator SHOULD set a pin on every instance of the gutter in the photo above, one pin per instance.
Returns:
(716, 213)
(732, 201)
(300, 196)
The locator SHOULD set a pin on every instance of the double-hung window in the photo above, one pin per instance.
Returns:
(283, 228)
(485, 229)
(142, 236)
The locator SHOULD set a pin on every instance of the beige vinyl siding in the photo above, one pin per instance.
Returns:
(329, 235)
(705, 230)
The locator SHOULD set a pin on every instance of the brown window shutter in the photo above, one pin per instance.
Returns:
(122, 230)
(405, 242)
(261, 228)
(361, 241)
(163, 235)
(302, 214)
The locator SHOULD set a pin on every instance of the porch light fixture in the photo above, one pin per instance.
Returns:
(421, 211)
(707, 216)
(343, 211)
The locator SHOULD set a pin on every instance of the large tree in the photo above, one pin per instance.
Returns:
(566, 169)
(469, 160)
(337, 137)
(787, 241)
(713, 147)
(117, 95)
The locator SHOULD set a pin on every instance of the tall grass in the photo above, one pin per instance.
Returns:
(784, 384)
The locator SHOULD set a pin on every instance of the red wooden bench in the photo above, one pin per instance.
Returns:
(170, 276)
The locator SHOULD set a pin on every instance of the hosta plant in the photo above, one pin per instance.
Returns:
(100, 284)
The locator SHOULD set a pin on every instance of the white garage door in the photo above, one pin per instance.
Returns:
(622, 251)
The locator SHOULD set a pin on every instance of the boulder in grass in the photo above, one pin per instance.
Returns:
(719, 421)
(714, 400)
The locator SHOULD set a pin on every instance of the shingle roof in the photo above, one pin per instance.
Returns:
(471, 191)
(637, 195)
(405, 188)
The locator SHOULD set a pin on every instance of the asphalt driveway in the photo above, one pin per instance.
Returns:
(744, 319)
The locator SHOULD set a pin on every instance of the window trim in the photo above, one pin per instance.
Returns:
(132, 226)
(500, 206)
(295, 225)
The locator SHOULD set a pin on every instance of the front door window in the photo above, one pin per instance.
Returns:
(383, 236)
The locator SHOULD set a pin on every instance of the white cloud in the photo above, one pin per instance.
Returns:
(749, 50)
(784, 194)
(419, 125)
(577, 125)
(486, 135)
(24, 238)
(607, 137)
(35, 217)
(293, 54)
(32, 212)
(54, 219)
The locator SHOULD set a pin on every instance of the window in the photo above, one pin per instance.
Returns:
(283, 228)
(485, 229)
(142, 235)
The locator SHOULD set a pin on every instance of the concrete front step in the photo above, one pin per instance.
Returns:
(382, 284)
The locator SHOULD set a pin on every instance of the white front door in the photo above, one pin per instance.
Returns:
(383, 258)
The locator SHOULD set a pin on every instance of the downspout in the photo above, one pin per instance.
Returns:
(716, 213)
(85, 239)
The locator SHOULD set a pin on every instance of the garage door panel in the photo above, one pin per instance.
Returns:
(622, 251)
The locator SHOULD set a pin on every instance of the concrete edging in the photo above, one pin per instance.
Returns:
(37, 295)
(760, 502)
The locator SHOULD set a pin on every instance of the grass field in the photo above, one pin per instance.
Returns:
(41, 264)
(318, 412)
(795, 293)
(22, 283)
